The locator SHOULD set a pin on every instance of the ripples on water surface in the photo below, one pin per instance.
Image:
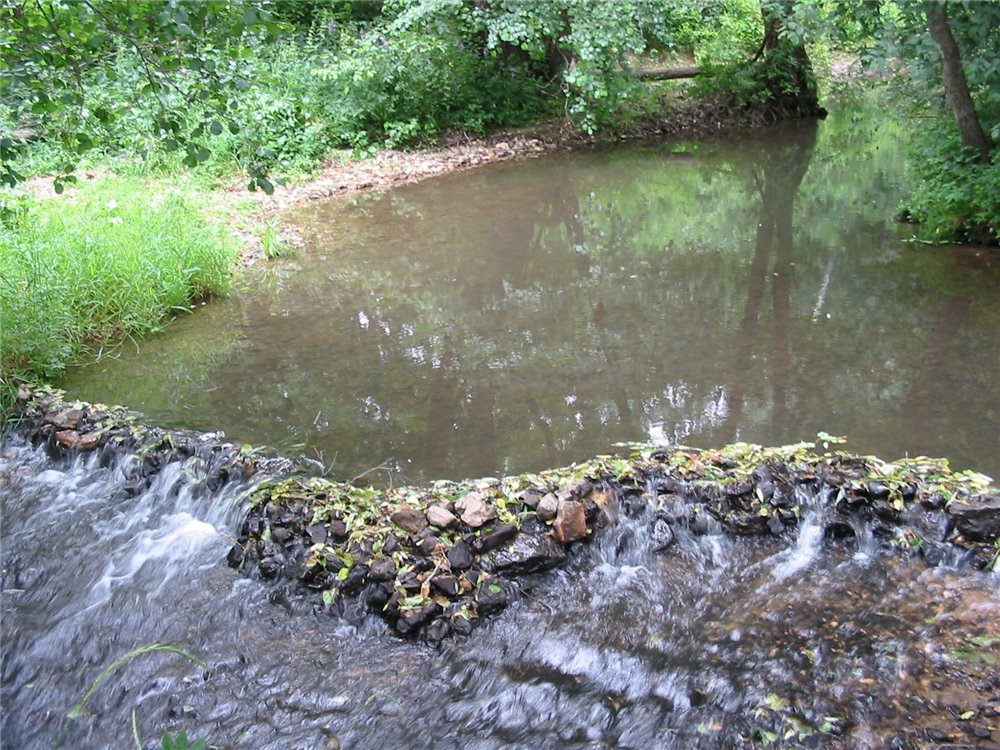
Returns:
(623, 649)
(529, 315)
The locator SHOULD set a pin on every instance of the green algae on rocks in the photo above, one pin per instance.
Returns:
(433, 560)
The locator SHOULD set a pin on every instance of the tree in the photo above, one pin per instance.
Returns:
(784, 69)
(956, 86)
(54, 50)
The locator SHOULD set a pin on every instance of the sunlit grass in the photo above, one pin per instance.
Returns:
(108, 260)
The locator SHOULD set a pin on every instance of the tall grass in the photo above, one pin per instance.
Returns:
(111, 259)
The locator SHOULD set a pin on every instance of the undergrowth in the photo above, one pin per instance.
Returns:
(112, 259)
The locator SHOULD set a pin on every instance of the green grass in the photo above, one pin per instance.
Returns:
(111, 259)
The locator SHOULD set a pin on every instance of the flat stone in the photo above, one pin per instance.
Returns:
(409, 520)
(498, 537)
(66, 419)
(979, 522)
(441, 517)
(317, 533)
(547, 507)
(475, 511)
(75, 441)
(571, 522)
(460, 556)
(529, 553)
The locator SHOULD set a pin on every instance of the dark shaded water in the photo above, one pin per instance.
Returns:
(697, 648)
(523, 316)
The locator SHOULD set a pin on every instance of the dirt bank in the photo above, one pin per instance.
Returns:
(388, 168)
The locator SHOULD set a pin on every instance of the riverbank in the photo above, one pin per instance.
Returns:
(60, 307)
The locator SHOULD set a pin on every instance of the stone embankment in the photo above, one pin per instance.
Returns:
(434, 560)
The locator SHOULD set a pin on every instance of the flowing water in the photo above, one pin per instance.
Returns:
(507, 319)
(622, 649)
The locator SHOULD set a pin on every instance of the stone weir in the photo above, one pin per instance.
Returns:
(434, 560)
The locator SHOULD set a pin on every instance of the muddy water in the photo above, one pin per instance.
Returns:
(720, 642)
(528, 315)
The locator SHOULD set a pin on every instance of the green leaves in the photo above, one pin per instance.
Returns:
(57, 52)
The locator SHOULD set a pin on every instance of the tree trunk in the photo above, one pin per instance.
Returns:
(667, 74)
(784, 66)
(956, 87)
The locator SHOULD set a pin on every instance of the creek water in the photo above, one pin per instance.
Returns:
(528, 315)
(503, 320)
(623, 648)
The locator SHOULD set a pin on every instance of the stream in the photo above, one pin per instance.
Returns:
(505, 320)
(622, 648)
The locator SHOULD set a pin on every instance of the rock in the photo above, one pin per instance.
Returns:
(411, 619)
(547, 507)
(269, 567)
(75, 441)
(979, 522)
(500, 536)
(529, 553)
(446, 584)
(474, 510)
(382, 569)
(461, 625)
(378, 596)
(65, 419)
(579, 488)
(490, 596)
(661, 535)
(460, 556)
(441, 517)
(746, 524)
(530, 498)
(877, 490)
(338, 528)
(409, 520)
(428, 544)
(317, 533)
(391, 544)
(934, 553)
(571, 522)
(236, 556)
(437, 631)
(934, 502)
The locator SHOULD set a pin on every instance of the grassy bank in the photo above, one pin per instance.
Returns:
(113, 259)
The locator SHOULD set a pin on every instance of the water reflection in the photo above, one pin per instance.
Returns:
(528, 315)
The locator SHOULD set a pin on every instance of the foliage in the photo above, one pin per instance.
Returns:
(955, 198)
(181, 742)
(403, 85)
(111, 260)
(55, 51)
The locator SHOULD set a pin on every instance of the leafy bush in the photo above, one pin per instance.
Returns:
(956, 199)
(408, 86)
